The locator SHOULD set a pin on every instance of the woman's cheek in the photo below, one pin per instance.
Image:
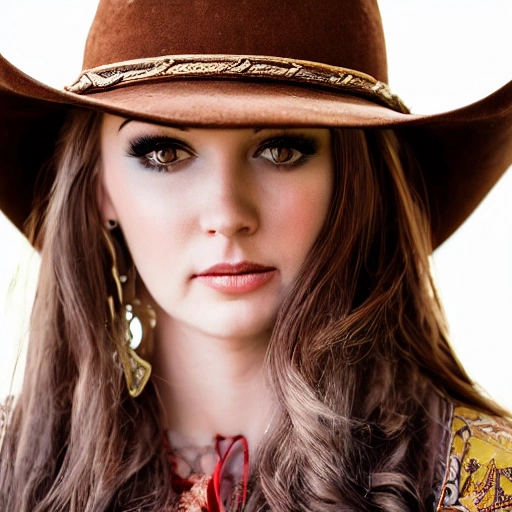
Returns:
(303, 210)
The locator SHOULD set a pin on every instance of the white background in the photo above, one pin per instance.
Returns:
(442, 54)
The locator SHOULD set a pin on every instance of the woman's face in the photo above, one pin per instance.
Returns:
(218, 221)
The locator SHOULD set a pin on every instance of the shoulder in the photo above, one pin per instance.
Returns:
(478, 474)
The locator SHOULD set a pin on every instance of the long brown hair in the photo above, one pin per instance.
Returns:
(359, 359)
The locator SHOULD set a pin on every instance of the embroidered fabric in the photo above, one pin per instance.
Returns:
(478, 471)
(226, 490)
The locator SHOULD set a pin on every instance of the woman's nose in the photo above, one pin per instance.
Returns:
(230, 207)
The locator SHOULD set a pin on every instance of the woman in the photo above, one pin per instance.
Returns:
(235, 309)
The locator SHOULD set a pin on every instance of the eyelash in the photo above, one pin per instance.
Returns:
(142, 147)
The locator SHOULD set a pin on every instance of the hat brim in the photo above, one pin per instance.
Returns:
(462, 153)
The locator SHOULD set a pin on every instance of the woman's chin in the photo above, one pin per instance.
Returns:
(244, 330)
(236, 325)
(231, 320)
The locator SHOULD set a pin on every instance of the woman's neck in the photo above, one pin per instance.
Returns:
(210, 386)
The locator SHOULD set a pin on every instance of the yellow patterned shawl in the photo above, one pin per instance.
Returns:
(478, 474)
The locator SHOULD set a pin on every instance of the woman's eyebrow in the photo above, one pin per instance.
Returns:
(181, 128)
(126, 121)
(123, 124)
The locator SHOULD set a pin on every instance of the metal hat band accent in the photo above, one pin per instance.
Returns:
(235, 67)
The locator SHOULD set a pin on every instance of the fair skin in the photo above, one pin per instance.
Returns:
(250, 200)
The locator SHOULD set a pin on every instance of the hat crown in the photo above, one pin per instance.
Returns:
(344, 33)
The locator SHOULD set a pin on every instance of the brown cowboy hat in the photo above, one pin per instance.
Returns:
(252, 63)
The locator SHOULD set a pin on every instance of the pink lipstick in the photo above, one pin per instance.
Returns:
(236, 278)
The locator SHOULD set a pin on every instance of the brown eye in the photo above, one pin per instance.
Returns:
(166, 157)
(160, 154)
(281, 155)
(163, 156)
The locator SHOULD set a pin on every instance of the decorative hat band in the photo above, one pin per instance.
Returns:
(236, 67)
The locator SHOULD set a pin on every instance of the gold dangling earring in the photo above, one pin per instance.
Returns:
(140, 321)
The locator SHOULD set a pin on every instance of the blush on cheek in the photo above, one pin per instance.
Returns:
(299, 227)
(306, 211)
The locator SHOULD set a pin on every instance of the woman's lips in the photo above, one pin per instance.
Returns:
(236, 278)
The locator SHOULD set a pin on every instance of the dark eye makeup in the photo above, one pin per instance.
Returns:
(162, 153)
(158, 152)
(288, 150)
